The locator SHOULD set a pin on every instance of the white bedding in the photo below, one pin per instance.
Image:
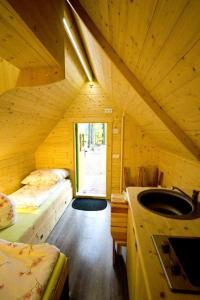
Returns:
(34, 196)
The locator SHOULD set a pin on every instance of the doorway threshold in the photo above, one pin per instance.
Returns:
(90, 195)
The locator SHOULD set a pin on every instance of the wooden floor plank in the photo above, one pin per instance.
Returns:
(85, 238)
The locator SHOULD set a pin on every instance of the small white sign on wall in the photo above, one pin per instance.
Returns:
(108, 110)
(115, 156)
(115, 130)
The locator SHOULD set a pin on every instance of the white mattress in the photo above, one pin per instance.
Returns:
(34, 196)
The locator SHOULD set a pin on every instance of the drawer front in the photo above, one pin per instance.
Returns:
(119, 233)
(119, 219)
(119, 210)
(42, 233)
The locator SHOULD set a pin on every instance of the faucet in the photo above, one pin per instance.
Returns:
(194, 197)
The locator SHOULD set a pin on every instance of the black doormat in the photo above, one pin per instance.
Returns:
(89, 204)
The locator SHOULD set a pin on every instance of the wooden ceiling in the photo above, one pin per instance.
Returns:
(159, 41)
(27, 114)
(8, 76)
(45, 20)
(19, 45)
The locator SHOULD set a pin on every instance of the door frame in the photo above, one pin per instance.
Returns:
(108, 154)
(76, 163)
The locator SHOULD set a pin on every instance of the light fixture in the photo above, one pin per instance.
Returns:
(76, 48)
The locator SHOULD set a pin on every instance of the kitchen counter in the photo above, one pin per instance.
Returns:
(145, 225)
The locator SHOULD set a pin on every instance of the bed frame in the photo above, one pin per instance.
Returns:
(34, 227)
(61, 290)
(37, 233)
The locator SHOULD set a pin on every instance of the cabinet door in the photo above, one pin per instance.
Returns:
(140, 287)
(131, 261)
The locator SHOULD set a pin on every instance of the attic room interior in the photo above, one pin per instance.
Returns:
(100, 149)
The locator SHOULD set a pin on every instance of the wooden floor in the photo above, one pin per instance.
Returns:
(85, 238)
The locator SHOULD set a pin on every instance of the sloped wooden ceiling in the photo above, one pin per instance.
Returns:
(159, 41)
(44, 20)
(22, 45)
(28, 113)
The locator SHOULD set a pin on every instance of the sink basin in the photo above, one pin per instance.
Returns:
(167, 203)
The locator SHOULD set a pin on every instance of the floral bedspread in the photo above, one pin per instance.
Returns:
(7, 211)
(30, 196)
(25, 269)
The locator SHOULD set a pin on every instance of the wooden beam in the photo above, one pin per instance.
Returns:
(39, 76)
(131, 78)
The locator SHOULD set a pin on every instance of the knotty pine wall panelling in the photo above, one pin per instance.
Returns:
(13, 169)
(27, 115)
(179, 171)
(159, 43)
(140, 150)
(58, 148)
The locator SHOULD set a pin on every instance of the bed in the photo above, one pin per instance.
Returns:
(32, 272)
(58, 284)
(38, 208)
(34, 224)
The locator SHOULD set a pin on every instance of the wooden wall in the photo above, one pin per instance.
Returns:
(28, 114)
(58, 151)
(163, 52)
(13, 169)
(139, 150)
(179, 171)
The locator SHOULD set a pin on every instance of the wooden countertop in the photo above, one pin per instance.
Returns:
(147, 223)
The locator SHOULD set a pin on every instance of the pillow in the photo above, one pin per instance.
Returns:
(62, 173)
(7, 211)
(45, 177)
(38, 179)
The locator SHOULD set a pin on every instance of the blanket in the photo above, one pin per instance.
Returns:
(25, 269)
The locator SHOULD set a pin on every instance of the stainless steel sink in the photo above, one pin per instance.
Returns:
(168, 203)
